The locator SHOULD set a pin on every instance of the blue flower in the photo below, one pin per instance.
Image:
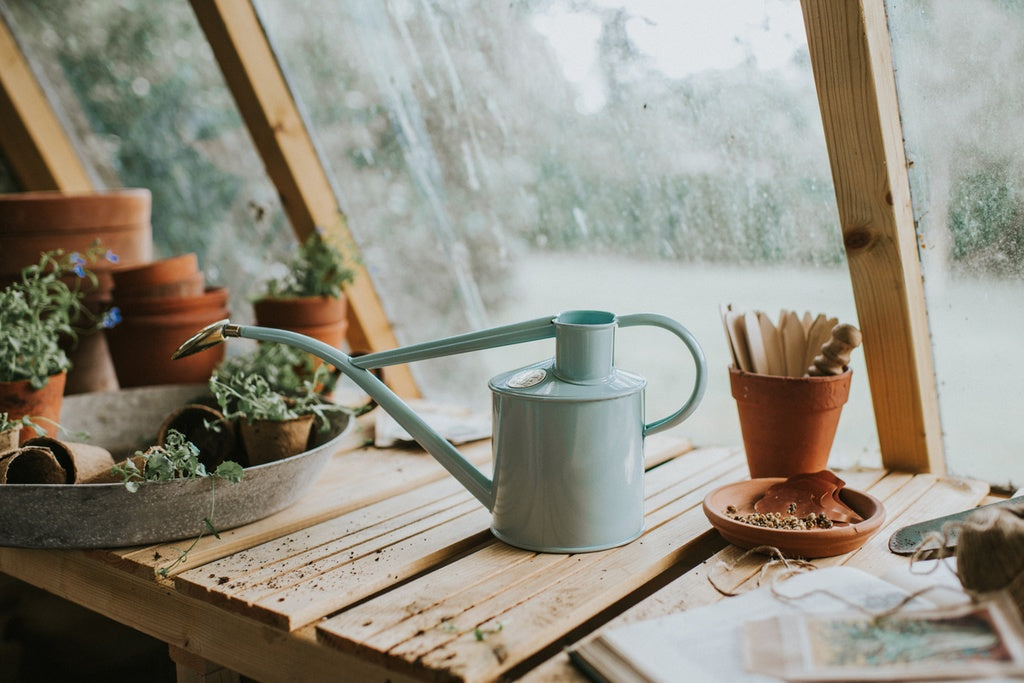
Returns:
(111, 317)
(77, 259)
(78, 270)
(112, 257)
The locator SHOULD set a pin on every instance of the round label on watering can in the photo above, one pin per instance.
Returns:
(527, 378)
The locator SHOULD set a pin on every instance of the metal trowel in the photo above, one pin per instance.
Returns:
(907, 540)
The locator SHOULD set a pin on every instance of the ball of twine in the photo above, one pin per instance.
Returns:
(990, 552)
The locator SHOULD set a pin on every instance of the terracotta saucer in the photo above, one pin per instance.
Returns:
(841, 538)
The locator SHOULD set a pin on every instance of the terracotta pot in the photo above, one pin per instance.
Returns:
(205, 427)
(19, 399)
(81, 461)
(31, 465)
(320, 317)
(176, 276)
(151, 330)
(788, 423)
(34, 222)
(91, 366)
(269, 440)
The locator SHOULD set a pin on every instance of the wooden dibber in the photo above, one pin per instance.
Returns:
(835, 353)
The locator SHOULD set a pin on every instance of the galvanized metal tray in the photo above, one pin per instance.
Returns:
(108, 515)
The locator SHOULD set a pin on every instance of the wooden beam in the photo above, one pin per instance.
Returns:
(265, 101)
(32, 138)
(852, 61)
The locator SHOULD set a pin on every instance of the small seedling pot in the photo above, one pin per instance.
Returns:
(270, 440)
(80, 461)
(31, 465)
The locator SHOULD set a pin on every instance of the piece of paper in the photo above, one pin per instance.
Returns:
(963, 642)
(456, 424)
(707, 643)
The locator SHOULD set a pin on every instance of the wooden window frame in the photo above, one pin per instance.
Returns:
(851, 56)
(851, 59)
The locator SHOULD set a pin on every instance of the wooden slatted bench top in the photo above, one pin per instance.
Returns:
(387, 570)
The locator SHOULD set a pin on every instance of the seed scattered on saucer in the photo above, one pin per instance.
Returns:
(775, 520)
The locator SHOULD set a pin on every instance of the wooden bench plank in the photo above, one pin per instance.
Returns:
(536, 598)
(908, 498)
(392, 608)
(293, 580)
(350, 481)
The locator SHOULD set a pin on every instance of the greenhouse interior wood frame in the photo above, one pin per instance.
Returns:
(851, 58)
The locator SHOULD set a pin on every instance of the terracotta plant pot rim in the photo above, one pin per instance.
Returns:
(305, 311)
(212, 297)
(162, 271)
(198, 318)
(189, 286)
(801, 393)
(108, 210)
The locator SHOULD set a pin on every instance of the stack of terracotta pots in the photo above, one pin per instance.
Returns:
(163, 303)
(118, 220)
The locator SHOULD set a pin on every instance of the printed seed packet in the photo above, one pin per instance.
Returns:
(969, 641)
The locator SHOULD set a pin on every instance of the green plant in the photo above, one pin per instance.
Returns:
(177, 458)
(285, 368)
(42, 307)
(7, 424)
(250, 397)
(317, 268)
(274, 382)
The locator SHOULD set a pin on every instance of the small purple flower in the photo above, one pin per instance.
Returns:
(111, 256)
(111, 317)
(78, 270)
(76, 259)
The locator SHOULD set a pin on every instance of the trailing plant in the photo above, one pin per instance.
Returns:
(42, 307)
(317, 268)
(7, 423)
(177, 458)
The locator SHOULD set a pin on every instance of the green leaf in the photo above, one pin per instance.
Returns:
(229, 470)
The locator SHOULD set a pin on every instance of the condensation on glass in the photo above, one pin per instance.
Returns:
(140, 92)
(957, 67)
(496, 161)
(502, 161)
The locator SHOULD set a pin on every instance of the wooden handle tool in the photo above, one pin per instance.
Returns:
(835, 353)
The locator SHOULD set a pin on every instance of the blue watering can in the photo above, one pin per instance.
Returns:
(568, 431)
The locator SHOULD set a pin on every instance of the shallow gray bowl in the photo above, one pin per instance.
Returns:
(108, 515)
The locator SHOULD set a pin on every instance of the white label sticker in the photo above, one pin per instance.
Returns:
(527, 378)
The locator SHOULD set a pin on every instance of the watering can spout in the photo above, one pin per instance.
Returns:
(464, 471)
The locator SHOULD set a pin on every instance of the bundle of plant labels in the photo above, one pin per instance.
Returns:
(794, 346)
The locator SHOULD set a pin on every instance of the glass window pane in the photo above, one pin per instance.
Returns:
(143, 98)
(960, 100)
(502, 161)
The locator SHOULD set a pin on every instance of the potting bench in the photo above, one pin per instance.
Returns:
(386, 570)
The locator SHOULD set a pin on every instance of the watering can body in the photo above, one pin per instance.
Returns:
(568, 460)
(568, 432)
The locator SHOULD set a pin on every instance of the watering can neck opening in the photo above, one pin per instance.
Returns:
(585, 347)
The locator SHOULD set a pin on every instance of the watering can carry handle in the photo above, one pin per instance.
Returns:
(654, 320)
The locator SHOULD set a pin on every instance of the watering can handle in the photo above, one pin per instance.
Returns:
(700, 384)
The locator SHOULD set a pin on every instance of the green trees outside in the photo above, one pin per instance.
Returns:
(457, 143)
